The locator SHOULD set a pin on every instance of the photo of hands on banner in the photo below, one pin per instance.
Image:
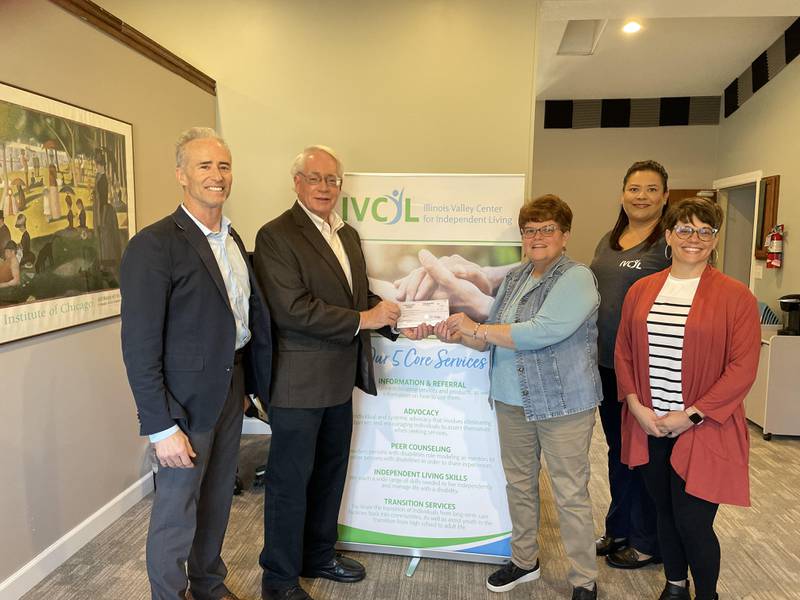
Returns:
(468, 276)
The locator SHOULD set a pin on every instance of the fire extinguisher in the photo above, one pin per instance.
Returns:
(775, 247)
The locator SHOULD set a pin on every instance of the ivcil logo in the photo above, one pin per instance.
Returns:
(631, 264)
(387, 209)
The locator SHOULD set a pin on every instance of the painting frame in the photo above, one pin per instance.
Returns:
(67, 198)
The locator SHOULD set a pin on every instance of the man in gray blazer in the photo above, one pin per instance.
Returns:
(311, 265)
(195, 339)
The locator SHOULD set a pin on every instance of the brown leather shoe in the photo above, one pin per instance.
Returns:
(606, 545)
(629, 558)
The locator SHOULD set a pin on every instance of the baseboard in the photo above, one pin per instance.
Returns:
(256, 426)
(58, 552)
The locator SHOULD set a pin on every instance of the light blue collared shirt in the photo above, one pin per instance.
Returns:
(237, 284)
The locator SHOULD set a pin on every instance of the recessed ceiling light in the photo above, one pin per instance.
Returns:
(631, 27)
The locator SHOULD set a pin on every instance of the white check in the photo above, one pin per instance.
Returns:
(423, 311)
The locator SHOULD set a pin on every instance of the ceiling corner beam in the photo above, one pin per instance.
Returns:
(103, 20)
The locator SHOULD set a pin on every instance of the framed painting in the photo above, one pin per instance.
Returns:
(67, 212)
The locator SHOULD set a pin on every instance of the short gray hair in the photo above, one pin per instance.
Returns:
(191, 134)
(299, 163)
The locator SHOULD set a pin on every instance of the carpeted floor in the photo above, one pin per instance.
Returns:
(760, 548)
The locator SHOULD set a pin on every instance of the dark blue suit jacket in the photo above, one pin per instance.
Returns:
(178, 330)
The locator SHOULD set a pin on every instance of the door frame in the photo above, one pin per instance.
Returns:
(736, 181)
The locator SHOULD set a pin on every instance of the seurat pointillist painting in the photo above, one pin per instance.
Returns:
(66, 213)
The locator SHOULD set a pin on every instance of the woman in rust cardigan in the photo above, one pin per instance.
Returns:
(686, 354)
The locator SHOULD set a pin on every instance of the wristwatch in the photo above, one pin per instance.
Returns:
(695, 418)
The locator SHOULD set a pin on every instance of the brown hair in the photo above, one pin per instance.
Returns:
(546, 208)
(647, 165)
(704, 210)
(622, 219)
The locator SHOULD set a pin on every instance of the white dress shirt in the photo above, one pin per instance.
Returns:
(330, 231)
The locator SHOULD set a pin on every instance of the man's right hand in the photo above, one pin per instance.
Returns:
(175, 451)
(382, 314)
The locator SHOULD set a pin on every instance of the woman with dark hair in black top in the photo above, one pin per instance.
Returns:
(634, 248)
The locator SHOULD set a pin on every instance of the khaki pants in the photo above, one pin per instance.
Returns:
(565, 444)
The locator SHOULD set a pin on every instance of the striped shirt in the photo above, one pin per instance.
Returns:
(665, 328)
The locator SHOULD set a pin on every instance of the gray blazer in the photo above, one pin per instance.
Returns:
(318, 359)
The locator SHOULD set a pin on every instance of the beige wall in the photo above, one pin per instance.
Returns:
(70, 437)
(585, 167)
(414, 86)
(764, 134)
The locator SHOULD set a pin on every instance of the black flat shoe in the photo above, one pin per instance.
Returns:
(341, 569)
(675, 592)
(607, 545)
(581, 593)
(629, 559)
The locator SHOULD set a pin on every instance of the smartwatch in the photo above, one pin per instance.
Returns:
(695, 418)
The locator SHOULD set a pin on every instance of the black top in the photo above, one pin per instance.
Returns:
(616, 272)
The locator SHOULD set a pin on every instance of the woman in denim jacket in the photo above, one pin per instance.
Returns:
(542, 333)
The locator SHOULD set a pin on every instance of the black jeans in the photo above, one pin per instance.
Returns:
(631, 513)
(685, 523)
(305, 478)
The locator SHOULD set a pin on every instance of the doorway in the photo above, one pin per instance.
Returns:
(738, 198)
(737, 252)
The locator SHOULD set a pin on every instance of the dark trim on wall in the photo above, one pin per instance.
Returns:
(632, 112)
(674, 111)
(792, 37)
(103, 20)
(763, 69)
(731, 99)
(615, 112)
(558, 114)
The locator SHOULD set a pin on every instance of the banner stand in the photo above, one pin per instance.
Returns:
(418, 553)
(412, 566)
(425, 478)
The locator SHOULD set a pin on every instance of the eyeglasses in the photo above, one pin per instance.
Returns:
(547, 231)
(685, 232)
(316, 179)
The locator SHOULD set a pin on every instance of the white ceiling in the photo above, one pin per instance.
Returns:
(684, 48)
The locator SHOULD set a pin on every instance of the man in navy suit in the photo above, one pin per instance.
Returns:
(195, 340)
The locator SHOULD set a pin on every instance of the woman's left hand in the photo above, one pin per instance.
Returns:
(461, 324)
(441, 332)
(674, 423)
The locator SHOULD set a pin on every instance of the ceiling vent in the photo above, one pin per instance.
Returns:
(580, 37)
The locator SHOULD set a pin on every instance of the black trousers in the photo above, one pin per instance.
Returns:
(631, 513)
(191, 508)
(305, 478)
(685, 523)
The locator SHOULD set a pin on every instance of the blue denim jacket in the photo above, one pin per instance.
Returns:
(557, 380)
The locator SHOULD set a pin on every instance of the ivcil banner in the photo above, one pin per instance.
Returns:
(425, 475)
